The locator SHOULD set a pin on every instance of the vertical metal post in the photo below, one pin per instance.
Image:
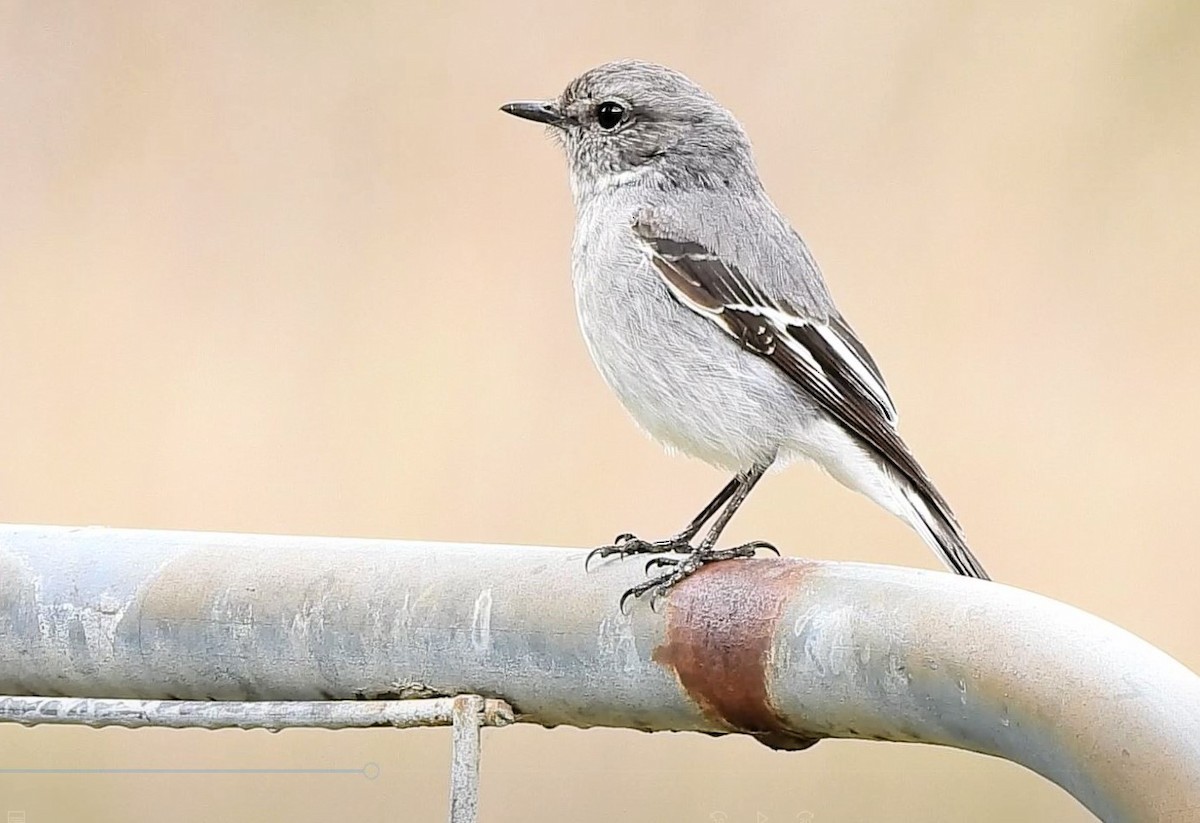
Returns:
(464, 763)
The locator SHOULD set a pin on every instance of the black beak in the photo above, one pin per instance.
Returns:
(536, 110)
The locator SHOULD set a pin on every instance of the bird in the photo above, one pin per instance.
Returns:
(707, 315)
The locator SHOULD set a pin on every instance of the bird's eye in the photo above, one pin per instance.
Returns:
(609, 114)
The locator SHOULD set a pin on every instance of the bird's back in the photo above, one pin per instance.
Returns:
(743, 227)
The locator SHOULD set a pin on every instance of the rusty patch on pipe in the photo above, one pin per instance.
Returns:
(721, 625)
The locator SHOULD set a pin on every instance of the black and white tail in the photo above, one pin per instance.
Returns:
(933, 520)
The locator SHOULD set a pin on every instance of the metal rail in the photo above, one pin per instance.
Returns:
(466, 713)
(789, 651)
(266, 714)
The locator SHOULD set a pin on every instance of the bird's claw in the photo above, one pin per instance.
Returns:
(762, 544)
(627, 544)
(683, 567)
(659, 561)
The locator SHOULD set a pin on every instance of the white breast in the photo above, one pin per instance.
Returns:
(684, 382)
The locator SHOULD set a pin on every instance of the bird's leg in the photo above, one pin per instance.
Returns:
(706, 553)
(627, 544)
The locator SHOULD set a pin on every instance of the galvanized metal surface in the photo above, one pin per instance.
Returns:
(464, 767)
(787, 650)
(467, 713)
(274, 715)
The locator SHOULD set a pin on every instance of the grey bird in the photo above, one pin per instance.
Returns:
(707, 315)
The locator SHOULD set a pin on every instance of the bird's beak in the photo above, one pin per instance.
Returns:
(539, 111)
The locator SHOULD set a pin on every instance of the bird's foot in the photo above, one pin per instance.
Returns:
(657, 587)
(627, 544)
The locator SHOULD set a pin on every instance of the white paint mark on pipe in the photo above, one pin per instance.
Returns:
(615, 639)
(481, 621)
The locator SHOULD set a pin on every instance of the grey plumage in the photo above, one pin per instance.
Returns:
(705, 311)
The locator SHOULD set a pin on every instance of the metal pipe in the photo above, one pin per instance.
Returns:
(789, 651)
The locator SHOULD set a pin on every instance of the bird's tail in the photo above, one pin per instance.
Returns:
(897, 483)
(933, 520)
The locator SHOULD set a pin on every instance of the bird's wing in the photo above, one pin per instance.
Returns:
(824, 358)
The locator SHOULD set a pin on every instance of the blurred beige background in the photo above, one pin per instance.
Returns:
(283, 267)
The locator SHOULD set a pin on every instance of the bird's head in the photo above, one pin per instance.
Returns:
(631, 122)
